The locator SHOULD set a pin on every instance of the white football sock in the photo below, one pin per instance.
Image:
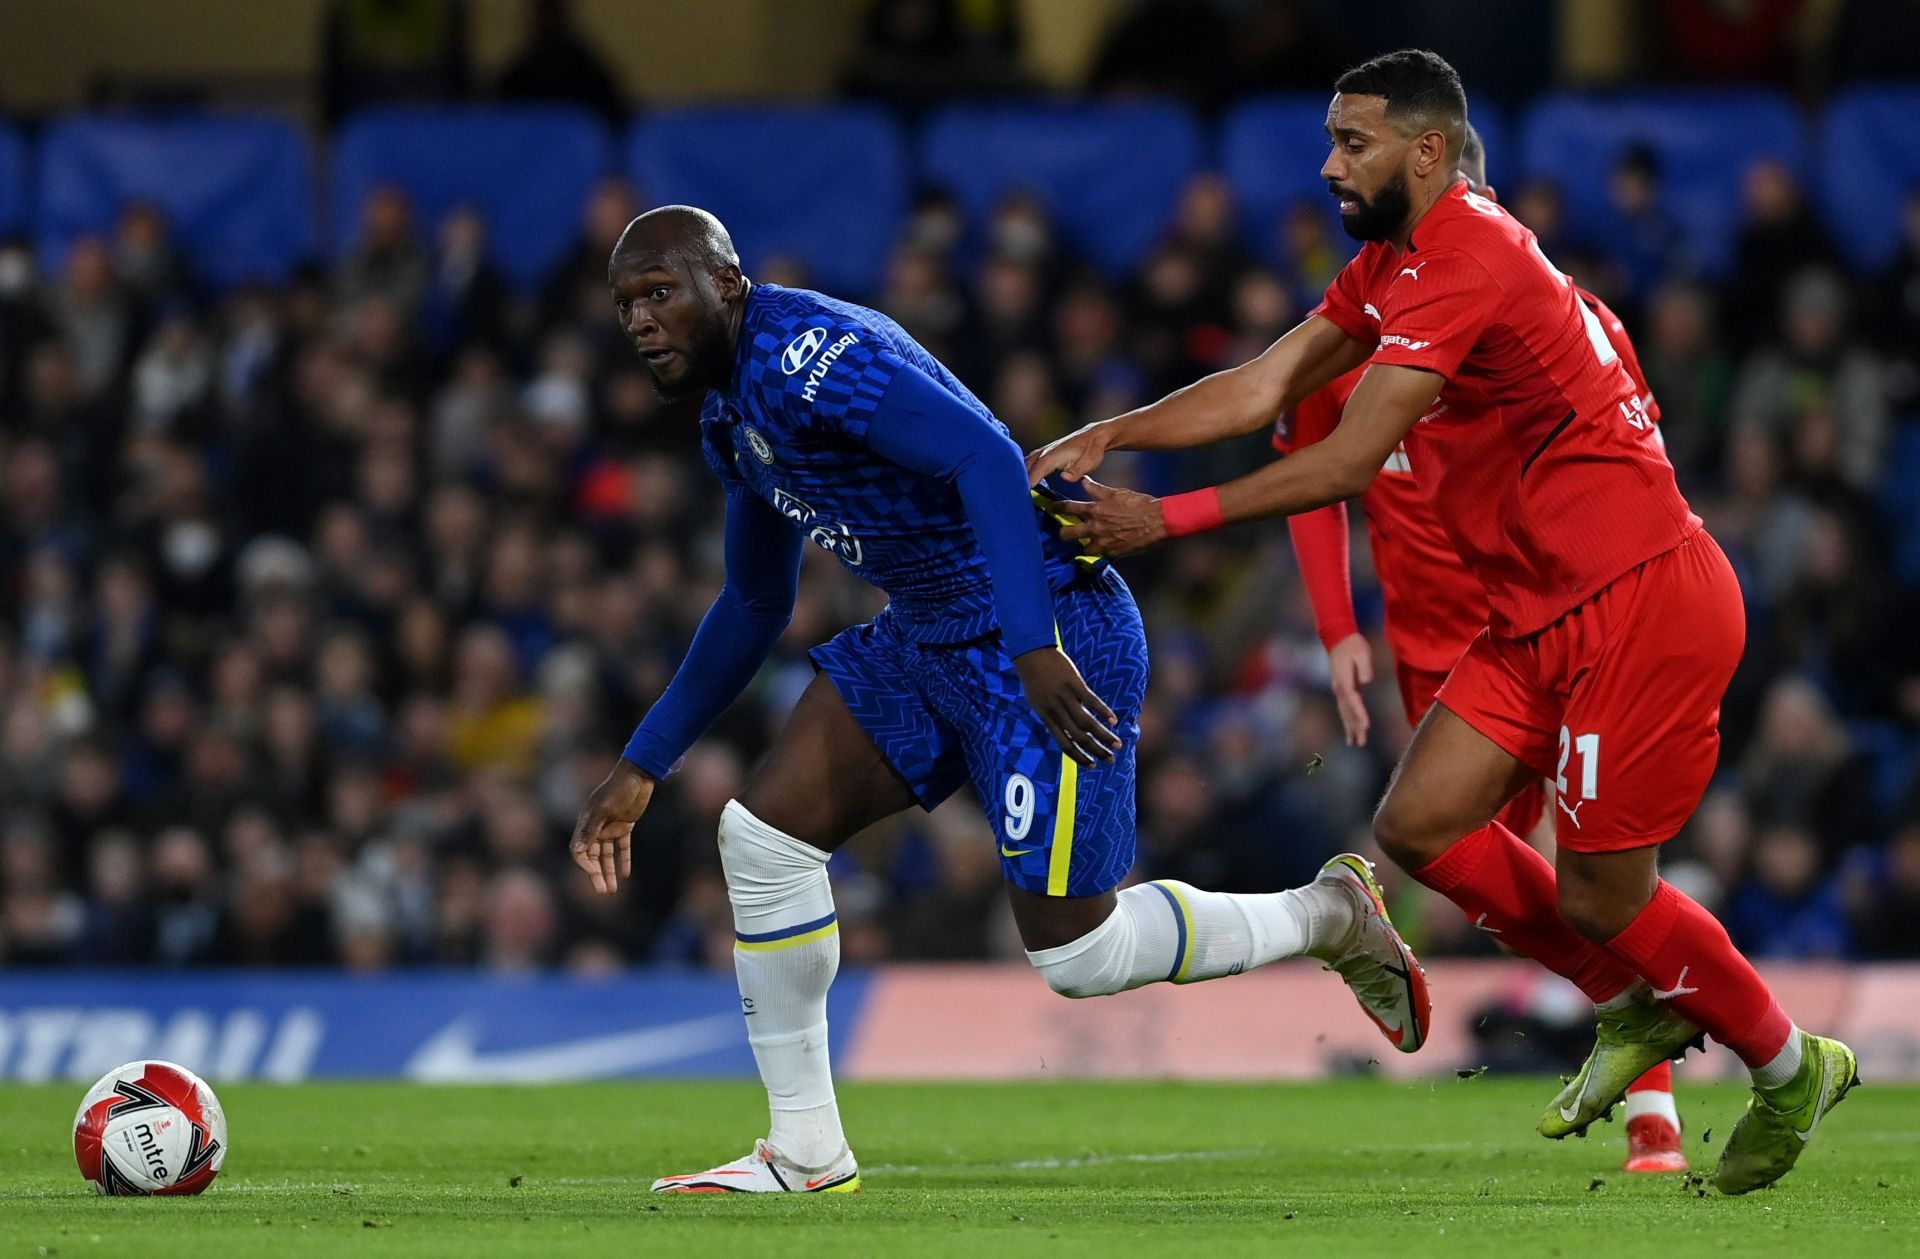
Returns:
(1167, 930)
(1652, 1102)
(786, 951)
(1783, 1066)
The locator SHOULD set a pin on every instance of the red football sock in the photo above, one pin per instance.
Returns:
(1684, 952)
(1657, 1080)
(1507, 889)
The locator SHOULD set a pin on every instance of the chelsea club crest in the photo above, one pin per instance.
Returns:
(758, 444)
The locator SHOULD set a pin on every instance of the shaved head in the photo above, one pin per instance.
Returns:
(674, 231)
(678, 291)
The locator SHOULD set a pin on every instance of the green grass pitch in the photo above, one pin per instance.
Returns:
(1353, 1168)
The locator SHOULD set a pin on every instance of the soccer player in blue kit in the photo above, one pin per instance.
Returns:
(1004, 658)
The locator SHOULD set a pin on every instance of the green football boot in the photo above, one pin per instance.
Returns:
(1780, 1121)
(1626, 1042)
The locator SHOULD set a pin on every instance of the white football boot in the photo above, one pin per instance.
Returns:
(764, 1171)
(1382, 972)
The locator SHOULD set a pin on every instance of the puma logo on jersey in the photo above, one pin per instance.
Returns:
(1572, 811)
(1371, 309)
(1414, 270)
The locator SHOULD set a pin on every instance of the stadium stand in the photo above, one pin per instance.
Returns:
(488, 159)
(825, 187)
(1704, 142)
(236, 190)
(1082, 162)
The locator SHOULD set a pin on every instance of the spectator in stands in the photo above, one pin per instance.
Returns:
(145, 260)
(186, 899)
(119, 914)
(1813, 368)
(920, 295)
(1780, 237)
(93, 316)
(1883, 896)
(387, 259)
(467, 300)
(1642, 239)
(557, 63)
(1692, 377)
(1309, 251)
(1897, 319)
(383, 51)
(493, 723)
(915, 53)
(1790, 907)
(1801, 772)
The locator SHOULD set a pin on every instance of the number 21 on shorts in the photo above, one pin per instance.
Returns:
(1587, 748)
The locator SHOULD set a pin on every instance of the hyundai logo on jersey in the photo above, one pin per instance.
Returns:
(801, 349)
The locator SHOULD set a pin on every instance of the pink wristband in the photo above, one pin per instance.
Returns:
(1197, 511)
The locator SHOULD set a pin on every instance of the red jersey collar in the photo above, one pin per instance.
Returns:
(1450, 203)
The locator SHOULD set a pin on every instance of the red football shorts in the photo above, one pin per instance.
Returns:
(1618, 701)
(1418, 687)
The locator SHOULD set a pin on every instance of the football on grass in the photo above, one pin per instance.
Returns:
(150, 1128)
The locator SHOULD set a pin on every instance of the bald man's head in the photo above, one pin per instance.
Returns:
(675, 230)
(679, 292)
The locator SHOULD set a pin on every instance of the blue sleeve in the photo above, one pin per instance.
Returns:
(735, 637)
(920, 425)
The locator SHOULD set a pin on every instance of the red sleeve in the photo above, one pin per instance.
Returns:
(1345, 305)
(1311, 419)
(1320, 547)
(1434, 310)
(1623, 346)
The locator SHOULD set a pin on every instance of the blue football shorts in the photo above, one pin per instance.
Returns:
(946, 714)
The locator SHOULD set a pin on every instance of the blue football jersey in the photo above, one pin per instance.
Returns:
(809, 374)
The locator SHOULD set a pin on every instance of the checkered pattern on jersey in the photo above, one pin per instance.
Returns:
(943, 715)
(792, 426)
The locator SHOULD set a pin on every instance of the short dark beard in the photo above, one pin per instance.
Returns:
(709, 362)
(1381, 217)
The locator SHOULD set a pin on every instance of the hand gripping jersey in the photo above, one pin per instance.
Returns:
(1540, 456)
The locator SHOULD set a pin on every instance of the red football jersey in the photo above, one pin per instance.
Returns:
(1434, 603)
(1538, 456)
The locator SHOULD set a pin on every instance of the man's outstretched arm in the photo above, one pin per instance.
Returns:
(1385, 406)
(1226, 404)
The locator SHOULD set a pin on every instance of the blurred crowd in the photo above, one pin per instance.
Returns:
(325, 604)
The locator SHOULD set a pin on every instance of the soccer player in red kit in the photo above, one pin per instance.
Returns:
(1614, 620)
(1434, 609)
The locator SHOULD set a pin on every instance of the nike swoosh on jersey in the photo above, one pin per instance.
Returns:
(1015, 852)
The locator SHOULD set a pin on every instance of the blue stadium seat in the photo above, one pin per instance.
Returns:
(13, 179)
(237, 190)
(1706, 141)
(1110, 174)
(825, 186)
(1272, 148)
(526, 170)
(1870, 157)
(1900, 497)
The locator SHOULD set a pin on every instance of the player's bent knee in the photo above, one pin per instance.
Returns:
(1098, 964)
(762, 864)
(1589, 911)
(1407, 839)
